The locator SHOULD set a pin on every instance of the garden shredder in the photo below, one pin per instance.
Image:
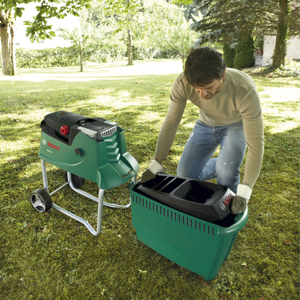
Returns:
(85, 148)
(188, 221)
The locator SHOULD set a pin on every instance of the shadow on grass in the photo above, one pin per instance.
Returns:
(57, 95)
(281, 150)
(277, 82)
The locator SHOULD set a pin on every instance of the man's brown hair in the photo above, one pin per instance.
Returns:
(203, 65)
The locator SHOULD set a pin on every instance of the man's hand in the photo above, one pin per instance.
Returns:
(238, 205)
(154, 168)
(240, 200)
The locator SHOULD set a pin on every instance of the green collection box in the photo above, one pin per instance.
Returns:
(192, 243)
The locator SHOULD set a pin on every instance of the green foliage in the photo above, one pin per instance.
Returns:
(126, 15)
(155, 23)
(67, 56)
(167, 54)
(228, 54)
(124, 10)
(140, 52)
(51, 57)
(286, 71)
(225, 21)
(108, 53)
(184, 2)
(170, 32)
(244, 53)
(259, 42)
(50, 256)
(97, 36)
(38, 28)
(291, 69)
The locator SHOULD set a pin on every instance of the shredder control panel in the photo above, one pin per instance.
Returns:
(64, 126)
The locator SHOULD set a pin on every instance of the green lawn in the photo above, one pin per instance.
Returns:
(51, 256)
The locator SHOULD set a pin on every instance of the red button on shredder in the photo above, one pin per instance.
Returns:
(64, 130)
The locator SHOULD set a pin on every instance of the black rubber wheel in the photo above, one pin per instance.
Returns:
(41, 200)
(77, 181)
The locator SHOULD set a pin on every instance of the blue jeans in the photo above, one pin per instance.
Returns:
(196, 161)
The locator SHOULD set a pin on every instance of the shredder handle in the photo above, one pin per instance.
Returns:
(241, 220)
(132, 183)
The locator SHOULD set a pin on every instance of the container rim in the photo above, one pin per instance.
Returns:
(241, 220)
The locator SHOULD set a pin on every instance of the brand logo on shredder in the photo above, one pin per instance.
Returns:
(228, 199)
(53, 146)
(223, 206)
(44, 142)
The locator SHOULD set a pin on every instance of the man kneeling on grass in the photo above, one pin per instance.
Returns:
(229, 115)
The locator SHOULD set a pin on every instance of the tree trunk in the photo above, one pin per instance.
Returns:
(13, 52)
(182, 56)
(129, 49)
(8, 51)
(281, 37)
(81, 57)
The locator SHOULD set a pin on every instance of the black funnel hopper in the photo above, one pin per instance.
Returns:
(204, 200)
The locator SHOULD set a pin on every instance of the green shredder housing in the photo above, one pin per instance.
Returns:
(94, 149)
(192, 243)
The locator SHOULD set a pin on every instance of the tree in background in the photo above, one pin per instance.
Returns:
(36, 29)
(7, 33)
(281, 33)
(151, 23)
(244, 52)
(225, 21)
(80, 35)
(167, 27)
(229, 54)
(126, 14)
(93, 35)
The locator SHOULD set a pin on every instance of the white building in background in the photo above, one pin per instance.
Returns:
(293, 49)
(21, 41)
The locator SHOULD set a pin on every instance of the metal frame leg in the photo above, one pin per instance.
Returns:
(68, 213)
(99, 200)
(83, 193)
(85, 222)
(44, 175)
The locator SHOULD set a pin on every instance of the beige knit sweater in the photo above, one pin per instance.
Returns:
(237, 101)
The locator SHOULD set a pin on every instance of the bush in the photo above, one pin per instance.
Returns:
(68, 56)
(43, 58)
(93, 53)
(291, 69)
(141, 53)
(228, 54)
(105, 53)
(244, 53)
(167, 54)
